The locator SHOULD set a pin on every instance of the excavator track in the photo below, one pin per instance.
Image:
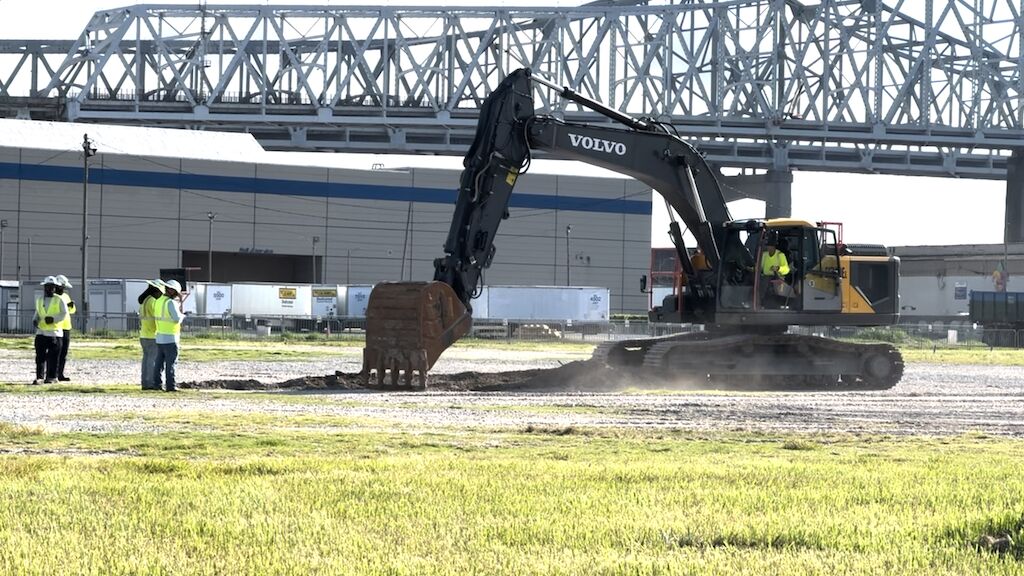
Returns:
(760, 362)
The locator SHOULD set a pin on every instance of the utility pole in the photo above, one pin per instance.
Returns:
(88, 151)
(209, 248)
(3, 224)
(568, 229)
(313, 262)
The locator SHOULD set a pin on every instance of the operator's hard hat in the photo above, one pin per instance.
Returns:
(173, 285)
(158, 284)
(48, 280)
(63, 281)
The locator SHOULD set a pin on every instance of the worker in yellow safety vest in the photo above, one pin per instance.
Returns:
(147, 331)
(773, 261)
(49, 315)
(774, 267)
(63, 284)
(168, 315)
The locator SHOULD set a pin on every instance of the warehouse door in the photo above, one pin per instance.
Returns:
(248, 267)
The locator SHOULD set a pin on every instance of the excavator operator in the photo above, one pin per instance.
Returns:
(773, 261)
(774, 269)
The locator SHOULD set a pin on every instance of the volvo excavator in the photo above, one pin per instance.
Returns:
(745, 308)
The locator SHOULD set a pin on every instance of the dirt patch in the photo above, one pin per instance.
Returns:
(581, 376)
(337, 382)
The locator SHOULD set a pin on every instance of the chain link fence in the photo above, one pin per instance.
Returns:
(912, 335)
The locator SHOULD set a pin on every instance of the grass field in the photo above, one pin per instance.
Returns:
(289, 498)
(983, 356)
(213, 349)
(209, 349)
(231, 492)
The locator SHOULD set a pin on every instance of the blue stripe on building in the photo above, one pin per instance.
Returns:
(175, 180)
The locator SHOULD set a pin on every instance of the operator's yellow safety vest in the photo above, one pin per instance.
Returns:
(164, 323)
(66, 323)
(779, 259)
(147, 318)
(52, 310)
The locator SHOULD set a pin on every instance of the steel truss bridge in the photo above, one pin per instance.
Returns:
(920, 87)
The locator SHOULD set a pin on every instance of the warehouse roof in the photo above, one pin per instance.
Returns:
(130, 140)
(404, 162)
(233, 147)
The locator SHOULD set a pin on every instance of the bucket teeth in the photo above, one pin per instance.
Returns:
(396, 371)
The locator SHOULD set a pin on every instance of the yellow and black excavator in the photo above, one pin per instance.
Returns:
(760, 277)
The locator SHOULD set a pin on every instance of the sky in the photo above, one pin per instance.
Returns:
(891, 210)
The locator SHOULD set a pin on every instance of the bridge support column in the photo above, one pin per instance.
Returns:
(1013, 228)
(774, 187)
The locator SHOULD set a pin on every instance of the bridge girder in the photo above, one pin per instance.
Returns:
(896, 86)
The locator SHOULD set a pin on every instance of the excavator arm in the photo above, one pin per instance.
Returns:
(409, 324)
(500, 151)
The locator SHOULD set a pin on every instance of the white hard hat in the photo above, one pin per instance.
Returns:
(63, 281)
(49, 280)
(173, 285)
(158, 284)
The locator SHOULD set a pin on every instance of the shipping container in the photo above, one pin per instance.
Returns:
(997, 309)
(271, 299)
(133, 288)
(356, 299)
(114, 303)
(10, 306)
(481, 304)
(213, 299)
(329, 301)
(576, 303)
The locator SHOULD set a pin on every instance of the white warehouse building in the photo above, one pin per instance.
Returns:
(152, 193)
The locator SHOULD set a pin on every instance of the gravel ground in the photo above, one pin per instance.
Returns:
(931, 399)
(17, 366)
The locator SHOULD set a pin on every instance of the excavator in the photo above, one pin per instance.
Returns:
(745, 306)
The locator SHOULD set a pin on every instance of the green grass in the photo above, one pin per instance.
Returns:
(994, 356)
(198, 350)
(65, 387)
(210, 349)
(533, 501)
(207, 354)
(206, 349)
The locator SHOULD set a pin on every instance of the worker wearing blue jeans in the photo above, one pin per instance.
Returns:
(168, 315)
(147, 331)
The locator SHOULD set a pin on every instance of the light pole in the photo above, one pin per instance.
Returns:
(313, 262)
(88, 151)
(3, 224)
(323, 261)
(209, 248)
(568, 229)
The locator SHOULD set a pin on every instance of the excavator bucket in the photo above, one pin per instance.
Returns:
(408, 326)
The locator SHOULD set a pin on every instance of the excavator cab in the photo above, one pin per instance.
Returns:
(812, 283)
